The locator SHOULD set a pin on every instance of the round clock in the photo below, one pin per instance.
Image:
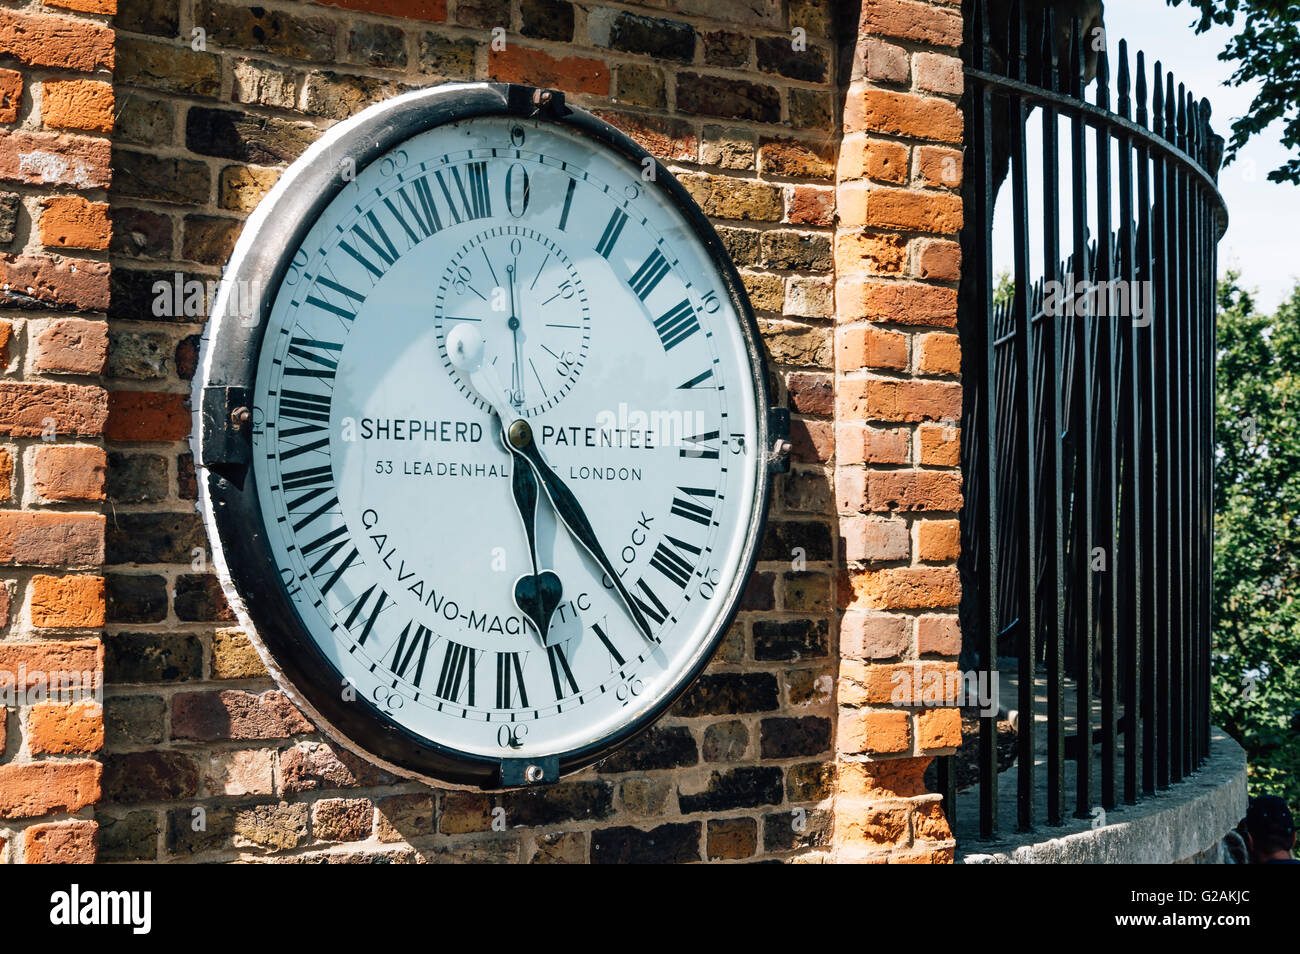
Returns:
(484, 435)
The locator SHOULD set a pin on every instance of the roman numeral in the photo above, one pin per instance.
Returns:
(458, 663)
(476, 202)
(330, 539)
(696, 446)
(320, 301)
(425, 215)
(313, 410)
(676, 325)
(690, 385)
(359, 607)
(561, 674)
(316, 482)
(655, 609)
(609, 645)
(607, 241)
(387, 252)
(510, 681)
(338, 571)
(310, 350)
(407, 647)
(568, 202)
(692, 509)
(669, 561)
(652, 270)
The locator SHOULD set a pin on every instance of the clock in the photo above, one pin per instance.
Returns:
(484, 435)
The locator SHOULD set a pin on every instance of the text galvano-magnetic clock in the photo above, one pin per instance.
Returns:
(484, 432)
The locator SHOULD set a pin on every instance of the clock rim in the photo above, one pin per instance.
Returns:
(228, 497)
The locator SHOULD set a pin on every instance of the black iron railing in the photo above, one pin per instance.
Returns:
(1088, 418)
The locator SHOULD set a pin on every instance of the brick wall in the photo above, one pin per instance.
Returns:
(747, 101)
(56, 111)
(897, 404)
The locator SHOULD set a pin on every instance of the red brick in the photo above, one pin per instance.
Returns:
(29, 409)
(11, 95)
(913, 490)
(55, 41)
(940, 446)
(72, 346)
(6, 476)
(67, 602)
(879, 731)
(895, 778)
(48, 656)
(872, 539)
(938, 73)
(877, 253)
(812, 441)
(874, 348)
(897, 401)
(232, 714)
(811, 393)
(62, 472)
(63, 843)
(883, 61)
(51, 539)
(662, 138)
(810, 205)
(879, 159)
(938, 729)
(434, 11)
(902, 588)
(147, 416)
(939, 213)
(85, 6)
(910, 115)
(938, 540)
(874, 635)
(42, 158)
(909, 20)
(939, 167)
(939, 354)
(939, 260)
(78, 283)
(938, 635)
(857, 443)
(65, 729)
(44, 788)
(573, 74)
(77, 104)
(69, 221)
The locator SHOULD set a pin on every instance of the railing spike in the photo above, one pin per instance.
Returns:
(1123, 81)
(1171, 110)
(1076, 58)
(1158, 101)
(1142, 116)
(1103, 79)
(1051, 59)
(1016, 42)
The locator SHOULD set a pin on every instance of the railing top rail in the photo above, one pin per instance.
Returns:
(1098, 117)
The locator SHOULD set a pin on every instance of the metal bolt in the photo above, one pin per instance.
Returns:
(240, 417)
(542, 97)
(533, 773)
(520, 434)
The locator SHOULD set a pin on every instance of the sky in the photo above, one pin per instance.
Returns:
(1261, 242)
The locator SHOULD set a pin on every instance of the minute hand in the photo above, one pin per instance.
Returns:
(571, 512)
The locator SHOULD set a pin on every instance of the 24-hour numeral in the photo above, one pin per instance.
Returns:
(510, 681)
(676, 325)
(561, 673)
(649, 274)
(613, 229)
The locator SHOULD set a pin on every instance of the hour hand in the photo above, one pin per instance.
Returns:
(537, 594)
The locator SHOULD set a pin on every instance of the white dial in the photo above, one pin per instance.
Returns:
(604, 334)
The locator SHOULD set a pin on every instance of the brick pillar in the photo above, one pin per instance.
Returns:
(55, 112)
(898, 387)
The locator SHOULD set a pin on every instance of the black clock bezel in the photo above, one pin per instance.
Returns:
(223, 390)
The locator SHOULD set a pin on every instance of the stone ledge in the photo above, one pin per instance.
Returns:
(1171, 826)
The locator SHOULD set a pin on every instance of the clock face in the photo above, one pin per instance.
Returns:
(494, 311)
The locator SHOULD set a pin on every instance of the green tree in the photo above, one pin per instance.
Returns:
(1256, 690)
(1266, 50)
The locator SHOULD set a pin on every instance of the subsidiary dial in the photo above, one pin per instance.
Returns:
(524, 296)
